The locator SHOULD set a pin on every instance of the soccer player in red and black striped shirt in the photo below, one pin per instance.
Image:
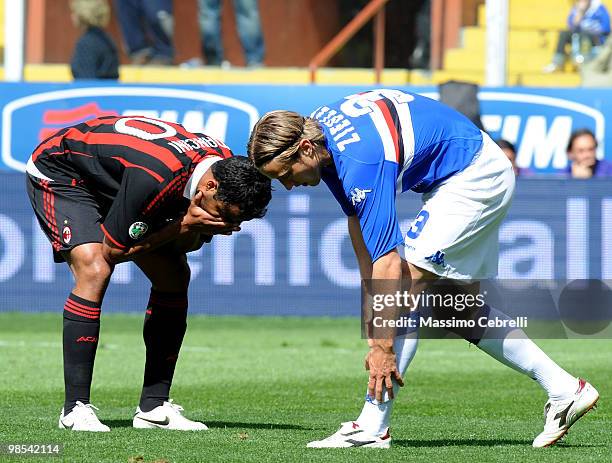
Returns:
(114, 189)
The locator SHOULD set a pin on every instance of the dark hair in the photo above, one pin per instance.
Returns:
(505, 144)
(241, 185)
(579, 133)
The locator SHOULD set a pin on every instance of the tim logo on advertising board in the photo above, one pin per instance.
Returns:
(28, 120)
(539, 126)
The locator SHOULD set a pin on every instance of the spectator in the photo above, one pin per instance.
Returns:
(147, 27)
(510, 152)
(588, 20)
(421, 54)
(248, 25)
(95, 54)
(598, 72)
(581, 152)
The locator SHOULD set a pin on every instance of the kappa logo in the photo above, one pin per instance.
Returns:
(36, 116)
(358, 195)
(138, 230)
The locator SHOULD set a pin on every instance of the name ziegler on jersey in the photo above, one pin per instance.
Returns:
(339, 126)
(182, 146)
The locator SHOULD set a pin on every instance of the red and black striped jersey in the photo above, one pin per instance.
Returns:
(136, 168)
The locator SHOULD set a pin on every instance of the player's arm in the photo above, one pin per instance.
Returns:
(375, 241)
(361, 251)
(125, 226)
(196, 227)
(385, 269)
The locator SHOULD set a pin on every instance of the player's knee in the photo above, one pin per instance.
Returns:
(176, 279)
(183, 277)
(90, 267)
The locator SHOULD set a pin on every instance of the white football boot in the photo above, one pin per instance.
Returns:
(166, 416)
(82, 418)
(351, 435)
(560, 415)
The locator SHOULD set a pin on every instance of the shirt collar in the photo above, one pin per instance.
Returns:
(192, 184)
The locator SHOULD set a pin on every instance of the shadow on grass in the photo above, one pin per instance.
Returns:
(218, 424)
(458, 442)
(232, 424)
(479, 443)
(118, 423)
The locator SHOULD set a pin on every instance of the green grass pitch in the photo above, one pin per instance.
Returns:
(267, 386)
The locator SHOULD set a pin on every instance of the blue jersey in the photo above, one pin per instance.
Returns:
(384, 142)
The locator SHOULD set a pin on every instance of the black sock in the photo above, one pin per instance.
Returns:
(81, 330)
(164, 327)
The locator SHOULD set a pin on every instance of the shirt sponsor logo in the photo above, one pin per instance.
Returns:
(138, 230)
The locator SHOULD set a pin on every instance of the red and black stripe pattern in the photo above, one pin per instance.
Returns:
(393, 123)
(138, 165)
(161, 300)
(49, 209)
(104, 147)
(81, 309)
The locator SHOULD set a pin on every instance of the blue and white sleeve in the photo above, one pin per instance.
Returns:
(372, 191)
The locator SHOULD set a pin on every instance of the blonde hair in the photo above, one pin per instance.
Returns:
(277, 135)
(91, 12)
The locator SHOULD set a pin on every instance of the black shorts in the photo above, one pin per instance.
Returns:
(68, 214)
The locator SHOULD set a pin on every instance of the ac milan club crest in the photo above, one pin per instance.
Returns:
(67, 235)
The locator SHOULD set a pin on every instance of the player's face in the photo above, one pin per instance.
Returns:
(230, 213)
(304, 170)
(584, 150)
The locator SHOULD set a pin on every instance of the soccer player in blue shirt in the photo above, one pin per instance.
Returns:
(368, 148)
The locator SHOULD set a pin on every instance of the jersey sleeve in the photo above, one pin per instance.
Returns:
(372, 193)
(126, 221)
(330, 177)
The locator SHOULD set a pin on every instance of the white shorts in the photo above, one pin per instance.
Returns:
(455, 235)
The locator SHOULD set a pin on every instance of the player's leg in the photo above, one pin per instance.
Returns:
(68, 215)
(569, 397)
(371, 428)
(457, 238)
(164, 328)
(82, 320)
(375, 417)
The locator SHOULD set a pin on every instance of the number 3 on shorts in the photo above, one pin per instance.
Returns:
(418, 224)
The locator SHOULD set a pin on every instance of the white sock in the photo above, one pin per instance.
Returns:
(374, 417)
(513, 348)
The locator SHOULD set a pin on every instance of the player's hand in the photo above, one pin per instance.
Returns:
(198, 220)
(380, 361)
